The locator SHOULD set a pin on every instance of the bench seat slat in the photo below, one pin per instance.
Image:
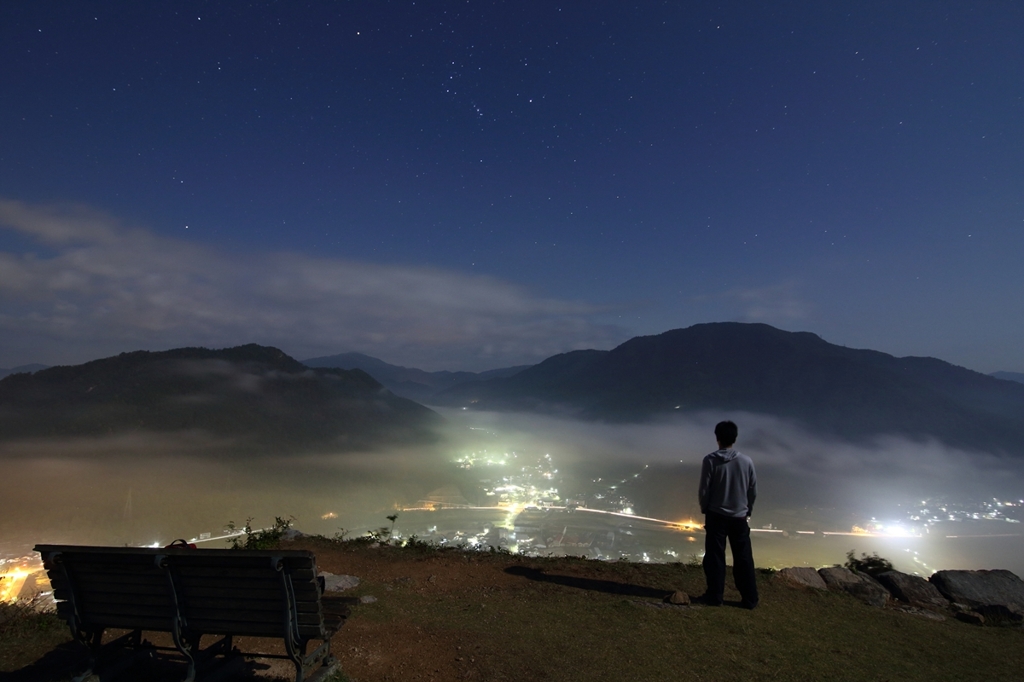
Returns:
(205, 561)
(275, 604)
(254, 629)
(232, 627)
(231, 573)
(208, 621)
(188, 582)
(303, 591)
(127, 582)
(298, 555)
(233, 592)
(103, 609)
(247, 616)
(154, 624)
(191, 608)
(105, 565)
(152, 602)
(113, 592)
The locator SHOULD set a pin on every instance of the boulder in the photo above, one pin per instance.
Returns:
(997, 614)
(980, 589)
(913, 590)
(678, 598)
(338, 583)
(801, 575)
(970, 617)
(863, 587)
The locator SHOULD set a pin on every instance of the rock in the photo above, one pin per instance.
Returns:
(367, 599)
(997, 614)
(913, 590)
(863, 587)
(918, 611)
(971, 617)
(977, 589)
(802, 575)
(678, 597)
(338, 583)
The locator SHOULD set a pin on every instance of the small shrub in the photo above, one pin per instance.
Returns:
(338, 537)
(383, 535)
(260, 539)
(26, 617)
(871, 565)
(419, 545)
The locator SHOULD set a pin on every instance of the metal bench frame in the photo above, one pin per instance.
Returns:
(171, 613)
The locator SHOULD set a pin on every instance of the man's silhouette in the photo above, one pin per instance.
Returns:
(728, 487)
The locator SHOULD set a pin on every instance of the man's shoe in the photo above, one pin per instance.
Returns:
(706, 600)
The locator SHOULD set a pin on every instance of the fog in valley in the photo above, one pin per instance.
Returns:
(533, 484)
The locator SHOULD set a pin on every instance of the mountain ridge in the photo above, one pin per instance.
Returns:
(256, 394)
(30, 368)
(408, 382)
(731, 367)
(1009, 376)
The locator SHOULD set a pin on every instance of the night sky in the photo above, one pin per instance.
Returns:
(469, 185)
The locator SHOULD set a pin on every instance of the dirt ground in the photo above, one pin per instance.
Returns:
(406, 650)
(385, 638)
(426, 614)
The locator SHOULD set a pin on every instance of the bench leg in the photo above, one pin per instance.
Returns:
(299, 658)
(219, 661)
(320, 656)
(93, 639)
(330, 666)
(185, 644)
(132, 641)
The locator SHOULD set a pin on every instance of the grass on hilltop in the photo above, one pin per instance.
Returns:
(453, 615)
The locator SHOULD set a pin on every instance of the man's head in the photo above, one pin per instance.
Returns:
(726, 433)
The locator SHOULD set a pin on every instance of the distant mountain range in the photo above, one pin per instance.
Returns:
(21, 368)
(727, 367)
(254, 394)
(261, 395)
(408, 382)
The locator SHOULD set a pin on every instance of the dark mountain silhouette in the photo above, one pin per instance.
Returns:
(34, 367)
(1009, 376)
(254, 394)
(754, 367)
(408, 382)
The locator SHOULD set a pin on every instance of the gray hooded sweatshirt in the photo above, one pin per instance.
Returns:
(728, 484)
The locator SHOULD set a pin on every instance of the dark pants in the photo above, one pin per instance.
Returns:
(737, 531)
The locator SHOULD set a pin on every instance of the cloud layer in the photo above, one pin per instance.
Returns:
(796, 467)
(98, 287)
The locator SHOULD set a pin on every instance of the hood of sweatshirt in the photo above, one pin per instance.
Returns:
(725, 455)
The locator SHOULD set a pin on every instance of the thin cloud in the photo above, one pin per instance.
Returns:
(101, 287)
(777, 304)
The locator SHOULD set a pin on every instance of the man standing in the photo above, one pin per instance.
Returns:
(728, 487)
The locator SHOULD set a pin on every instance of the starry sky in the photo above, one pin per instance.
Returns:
(469, 185)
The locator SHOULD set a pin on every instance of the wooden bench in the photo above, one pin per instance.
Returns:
(191, 593)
